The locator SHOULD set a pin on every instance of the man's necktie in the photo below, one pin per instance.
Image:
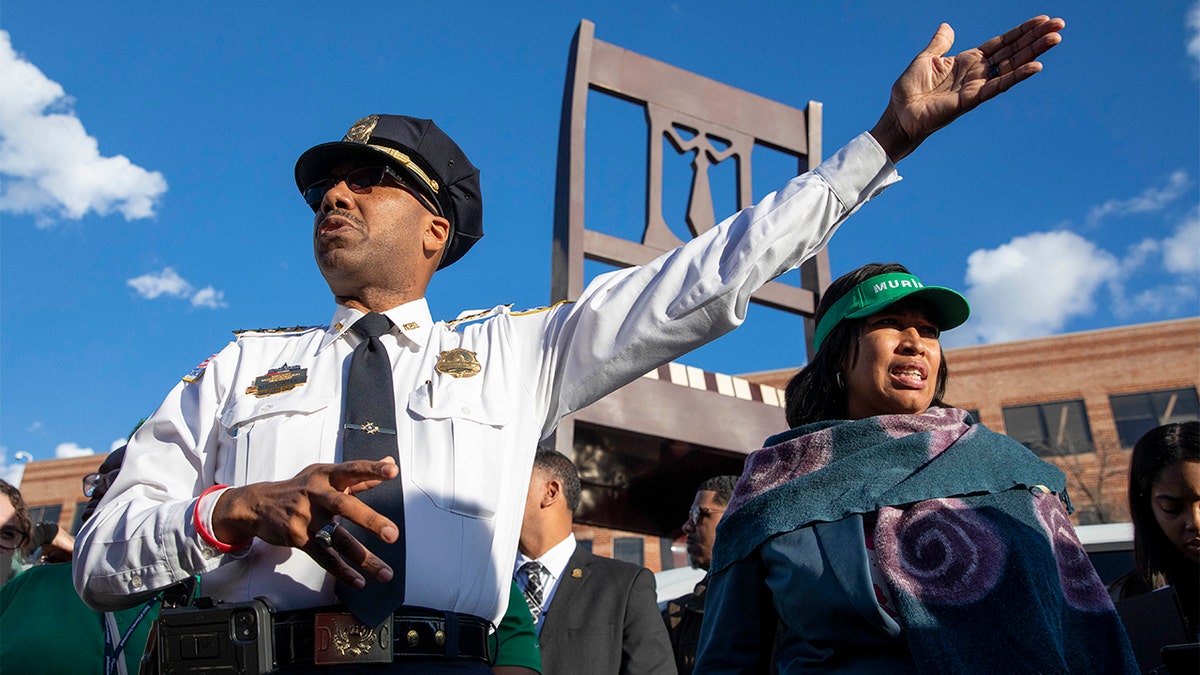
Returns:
(533, 588)
(369, 432)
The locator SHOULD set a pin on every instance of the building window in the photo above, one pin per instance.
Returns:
(629, 549)
(45, 514)
(1058, 428)
(1135, 414)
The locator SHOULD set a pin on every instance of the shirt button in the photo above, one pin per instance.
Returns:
(466, 410)
(135, 581)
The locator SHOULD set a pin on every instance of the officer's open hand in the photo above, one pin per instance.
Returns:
(936, 89)
(292, 512)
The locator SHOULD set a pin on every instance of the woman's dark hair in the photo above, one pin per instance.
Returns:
(813, 394)
(22, 513)
(1156, 560)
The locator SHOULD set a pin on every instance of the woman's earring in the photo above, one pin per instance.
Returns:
(838, 378)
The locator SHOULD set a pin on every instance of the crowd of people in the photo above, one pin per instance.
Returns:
(367, 496)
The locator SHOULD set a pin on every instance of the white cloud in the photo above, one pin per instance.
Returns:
(64, 450)
(169, 283)
(209, 297)
(1033, 285)
(1151, 199)
(112, 447)
(1179, 256)
(1193, 24)
(166, 282)
(51, 166)
(1181, 251)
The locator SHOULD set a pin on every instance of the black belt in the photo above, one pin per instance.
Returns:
(316, 636)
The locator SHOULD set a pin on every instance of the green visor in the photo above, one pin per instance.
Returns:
(881, 291)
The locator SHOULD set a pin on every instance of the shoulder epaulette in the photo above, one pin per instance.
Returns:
(275, 331)
(484, 314)
(538, 310)
(476, 316)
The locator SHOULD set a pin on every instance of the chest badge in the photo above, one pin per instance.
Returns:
(278, 380)
(458, 363)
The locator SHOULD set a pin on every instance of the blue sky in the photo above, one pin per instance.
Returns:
(147, 206)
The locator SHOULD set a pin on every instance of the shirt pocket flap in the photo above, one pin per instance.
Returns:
(245, 409)
(458, 401)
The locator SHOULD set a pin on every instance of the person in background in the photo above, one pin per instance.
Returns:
(47, 629)
(594, 615)
(15, 528)
(685, 614)
(1164, 503)
(887, 531)
(37, 543)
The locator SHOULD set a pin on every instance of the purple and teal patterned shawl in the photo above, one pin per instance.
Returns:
(970, 532)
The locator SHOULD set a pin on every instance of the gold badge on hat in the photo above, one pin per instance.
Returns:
(278, 380)
(458, 362)
(361, 131)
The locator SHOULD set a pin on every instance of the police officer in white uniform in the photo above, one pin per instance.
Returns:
(238, 477)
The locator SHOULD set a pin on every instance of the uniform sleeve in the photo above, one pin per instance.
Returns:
(738, 633)
(631, 321)
(646, 647)
(142, 537)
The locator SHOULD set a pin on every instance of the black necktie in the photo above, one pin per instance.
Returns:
(369, 432)
(533, 588)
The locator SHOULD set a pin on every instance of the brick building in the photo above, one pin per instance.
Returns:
(53, 489)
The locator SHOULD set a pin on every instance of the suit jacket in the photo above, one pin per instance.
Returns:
(604, 620)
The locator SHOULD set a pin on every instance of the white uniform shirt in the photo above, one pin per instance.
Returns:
(466, 445)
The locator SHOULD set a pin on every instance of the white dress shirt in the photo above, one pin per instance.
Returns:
(466, 444)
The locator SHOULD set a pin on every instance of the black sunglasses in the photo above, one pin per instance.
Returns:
(360, 181)
(93, 481)
(12, 538)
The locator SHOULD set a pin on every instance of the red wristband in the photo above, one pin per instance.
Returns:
(207, 536)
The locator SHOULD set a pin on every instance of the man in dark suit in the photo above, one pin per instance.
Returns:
(594, 615)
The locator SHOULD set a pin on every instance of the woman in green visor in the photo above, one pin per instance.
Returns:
(888, 532)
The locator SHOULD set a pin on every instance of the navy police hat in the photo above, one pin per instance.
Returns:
(424, 153)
